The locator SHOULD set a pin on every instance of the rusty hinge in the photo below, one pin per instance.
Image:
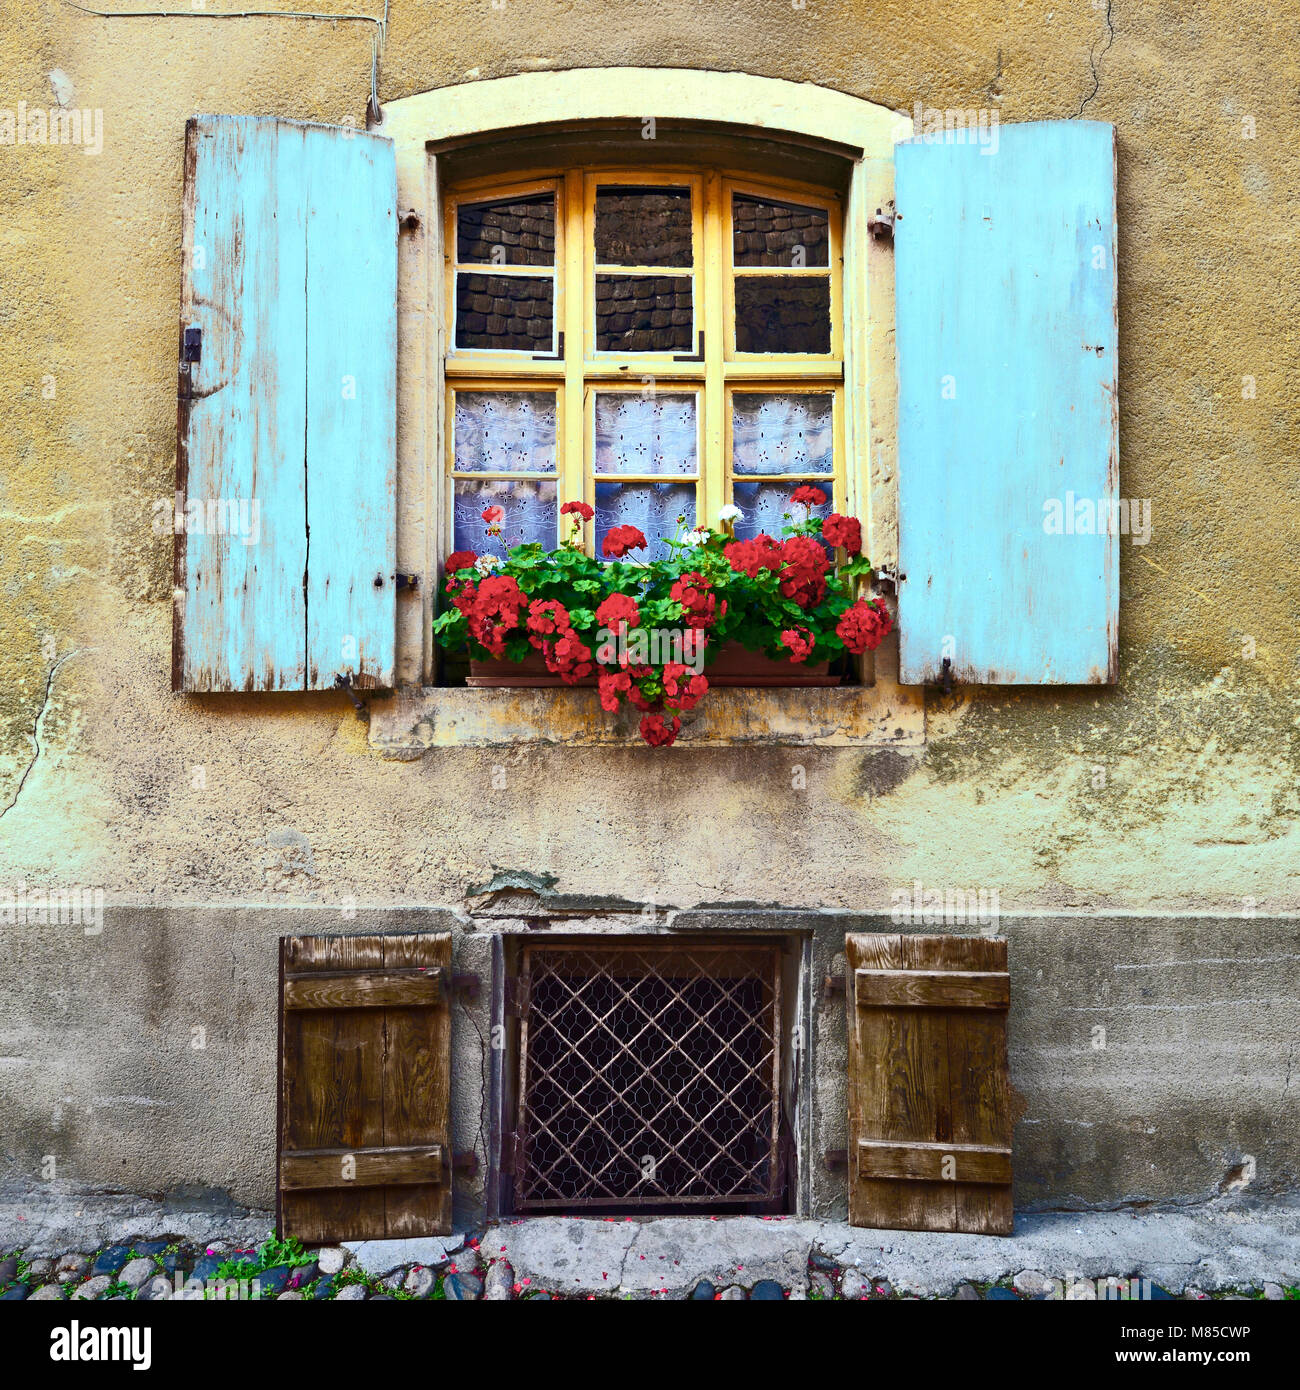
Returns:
(947, 675)
(833, 985)
(517, 993)
(407, 581)
(512, 1154)
(881, 224)
(836, 1158)
(465, 1163)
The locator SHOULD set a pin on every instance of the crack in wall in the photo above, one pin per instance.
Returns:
(37, 724)
(1094, 60)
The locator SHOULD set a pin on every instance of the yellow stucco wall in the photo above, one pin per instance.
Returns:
(1198, 743)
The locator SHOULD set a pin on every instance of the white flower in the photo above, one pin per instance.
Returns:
(698, 537)
(485, 564)
(730, 513)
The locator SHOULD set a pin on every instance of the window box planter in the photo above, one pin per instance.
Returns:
(733, 665)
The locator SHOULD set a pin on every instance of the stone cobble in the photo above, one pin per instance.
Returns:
(159, 1269)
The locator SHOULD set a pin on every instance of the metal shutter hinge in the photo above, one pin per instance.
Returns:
(192, 345)
(881, 224)
(466, 1163)
(834, 985)
(836, 1158)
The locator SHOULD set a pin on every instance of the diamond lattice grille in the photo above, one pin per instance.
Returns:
(649, 1075)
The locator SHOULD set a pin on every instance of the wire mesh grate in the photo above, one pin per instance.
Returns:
(650, 1076)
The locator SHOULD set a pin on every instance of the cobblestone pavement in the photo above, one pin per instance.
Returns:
(465, 1268)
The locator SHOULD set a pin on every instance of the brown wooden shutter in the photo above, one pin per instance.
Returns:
(365, 1061)
(929, 1095)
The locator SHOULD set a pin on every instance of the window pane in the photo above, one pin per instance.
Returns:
(505, 432)
(643, 226)
(639, 435)
(515, 231)
(529, 514)
(770, 233)
(654, 508)
(508, 313)
(643, 313)
(765, 504)
(786, 313)
(783, 433)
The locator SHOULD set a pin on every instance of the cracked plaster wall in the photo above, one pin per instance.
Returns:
(162, 801)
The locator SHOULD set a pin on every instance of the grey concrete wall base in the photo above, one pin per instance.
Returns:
(1152, 1056)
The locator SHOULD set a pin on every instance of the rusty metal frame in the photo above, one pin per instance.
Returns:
(709, 1171)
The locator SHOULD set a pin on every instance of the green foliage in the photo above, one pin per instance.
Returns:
(270, 1254)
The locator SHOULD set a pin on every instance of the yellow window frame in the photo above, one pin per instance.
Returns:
(582, 370)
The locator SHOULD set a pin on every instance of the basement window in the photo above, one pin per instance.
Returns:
(649, 1078)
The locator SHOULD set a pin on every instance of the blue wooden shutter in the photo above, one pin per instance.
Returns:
(1007, 348)
(286, 448)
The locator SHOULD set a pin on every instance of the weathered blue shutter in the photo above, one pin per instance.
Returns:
(1008, 416)
(286, 450)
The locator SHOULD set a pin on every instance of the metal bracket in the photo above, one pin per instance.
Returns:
(557, 355)
(832, 986)
(409, 220)
(465, 1163)
(947, 675)
(468, 986)
(692, 357)
(517, 992)
(512, 1153)
(836, 1158)
(881, 224)
(191, 344)
(344, 683)
(408, 581)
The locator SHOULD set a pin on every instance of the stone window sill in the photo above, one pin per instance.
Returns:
(412, 721)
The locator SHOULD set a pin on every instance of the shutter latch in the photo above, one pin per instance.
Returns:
(191, 345)
(881, 224)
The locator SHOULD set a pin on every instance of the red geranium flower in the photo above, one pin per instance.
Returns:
(657, 733)
(698, 601)
(803, 572)
(620, 539)
(492, 609)
(864, 626)
(748, 557)
(616, 610)
(683, 688)
(577, 509)
(843, 530)
(613, 684)
(546, 616)
(459, 560)
(799, 642)
(494, 515)
(570, 658)
(808, 495)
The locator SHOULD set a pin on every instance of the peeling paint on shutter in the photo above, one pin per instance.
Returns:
(1007, 355)
(286, 420)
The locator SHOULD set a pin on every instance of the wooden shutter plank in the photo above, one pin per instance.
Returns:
(973, 1163)
(927, 1080)
(318, 1168)
(290, 274)
(360, 990)
(935, 989)
(1007, 344)
(240, 607)
(417, 1086)
(980, 1095)
(333, 1092)
(351, 442)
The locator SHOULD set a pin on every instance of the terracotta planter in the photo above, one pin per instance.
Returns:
(732, 665)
